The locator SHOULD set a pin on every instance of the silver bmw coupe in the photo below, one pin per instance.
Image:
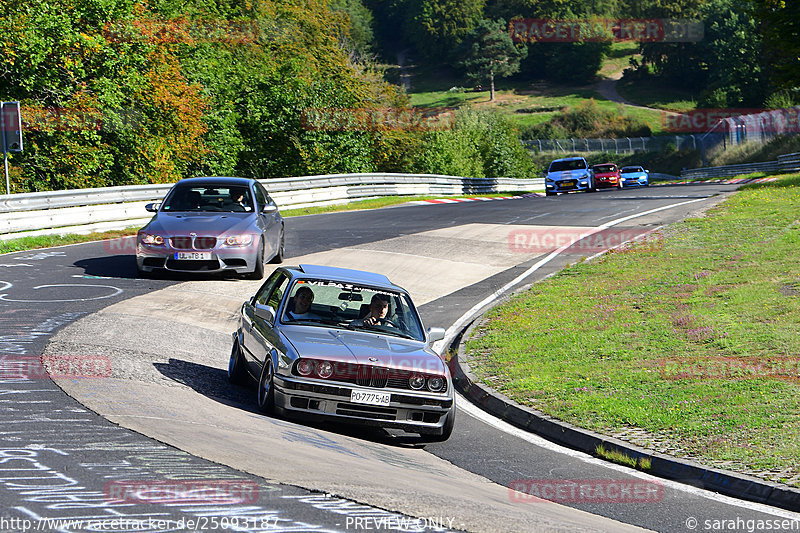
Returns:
(342, 345)
(212, 225)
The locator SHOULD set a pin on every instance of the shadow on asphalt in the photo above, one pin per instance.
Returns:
(213, 383)
(124, 266)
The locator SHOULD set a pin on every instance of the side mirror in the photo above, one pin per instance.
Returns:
(435, 334)
(154, 207)
(269, 208)
(266, 313)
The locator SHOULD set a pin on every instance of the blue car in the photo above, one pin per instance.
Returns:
(569, 174)
(634, 177)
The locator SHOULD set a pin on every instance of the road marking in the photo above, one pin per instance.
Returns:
(476, 412)
(466, 406)
(115, 293)
(453, 330)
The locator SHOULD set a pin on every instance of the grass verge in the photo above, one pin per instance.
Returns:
(48, 241)
(690, 347)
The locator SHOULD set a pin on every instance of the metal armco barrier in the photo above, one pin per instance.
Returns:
(785, 163)
(105, 208)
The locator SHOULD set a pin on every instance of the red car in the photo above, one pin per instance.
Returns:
(607, 175)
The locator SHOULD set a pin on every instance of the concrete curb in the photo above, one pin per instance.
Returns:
(733, 484)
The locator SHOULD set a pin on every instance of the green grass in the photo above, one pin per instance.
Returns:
(652, 93)
(618, 58)
(48, 241)
(678, 338)
(525, 104)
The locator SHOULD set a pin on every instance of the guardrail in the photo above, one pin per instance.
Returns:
(84, 210)
(785, 163)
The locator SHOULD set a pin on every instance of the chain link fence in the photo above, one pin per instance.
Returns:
(625, 145)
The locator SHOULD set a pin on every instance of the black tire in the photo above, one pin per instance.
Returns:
(592, 187)
(237, 372)
(447, 429)
(266, 394)
(278, 259)
(548, 193)
(258, 271)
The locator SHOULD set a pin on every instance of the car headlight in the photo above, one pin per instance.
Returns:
(324, 369)
(304, 367)
(152, 239)
(435, 384)
(238, 240)
(416, 382)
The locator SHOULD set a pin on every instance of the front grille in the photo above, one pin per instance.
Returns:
(372, 376)
(370, 411)
(193, 243)
(193, 266)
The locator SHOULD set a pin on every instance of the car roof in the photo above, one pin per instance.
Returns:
(604, 164)
(568, 159)
(217, 180)
(347, 275)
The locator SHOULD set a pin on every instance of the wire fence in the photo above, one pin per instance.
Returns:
(624, 145)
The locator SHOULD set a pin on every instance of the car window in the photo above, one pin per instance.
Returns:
(261, 191)
(273, 289)
(209, 197)
(261, 196)
(604, 168)
(572, 164)
(338, 304)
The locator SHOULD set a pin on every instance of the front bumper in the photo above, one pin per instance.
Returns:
(239, 259)
(411, 411)
(567, 185)
(634, 183)
(605, 183)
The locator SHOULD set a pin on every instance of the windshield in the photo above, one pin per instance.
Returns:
(331, 303)
(604, 169)
(632, 169)
(209, 198)
(570, 164)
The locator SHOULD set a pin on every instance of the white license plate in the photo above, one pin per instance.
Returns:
(193, 256)
(370, 398)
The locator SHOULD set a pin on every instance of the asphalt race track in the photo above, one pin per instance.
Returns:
(156, 409)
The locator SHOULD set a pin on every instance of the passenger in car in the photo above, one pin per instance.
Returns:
(378, 309)
(300, 305)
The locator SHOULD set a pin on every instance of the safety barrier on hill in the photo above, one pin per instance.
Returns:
(785, 163)
(106, 208)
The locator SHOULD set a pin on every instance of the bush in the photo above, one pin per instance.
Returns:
(479, 145)
(589, 120)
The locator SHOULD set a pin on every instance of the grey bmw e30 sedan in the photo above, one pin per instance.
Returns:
(212, 224)
(342, 345)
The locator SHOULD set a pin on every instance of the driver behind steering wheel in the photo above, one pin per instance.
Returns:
(378, 309)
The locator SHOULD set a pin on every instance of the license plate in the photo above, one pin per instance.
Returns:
(567, 184)
(193, 256)
(370, 398)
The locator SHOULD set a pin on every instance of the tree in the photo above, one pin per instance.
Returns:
(492, 53)
(438, 27)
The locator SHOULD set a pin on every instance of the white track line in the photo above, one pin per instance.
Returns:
(465, 405)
